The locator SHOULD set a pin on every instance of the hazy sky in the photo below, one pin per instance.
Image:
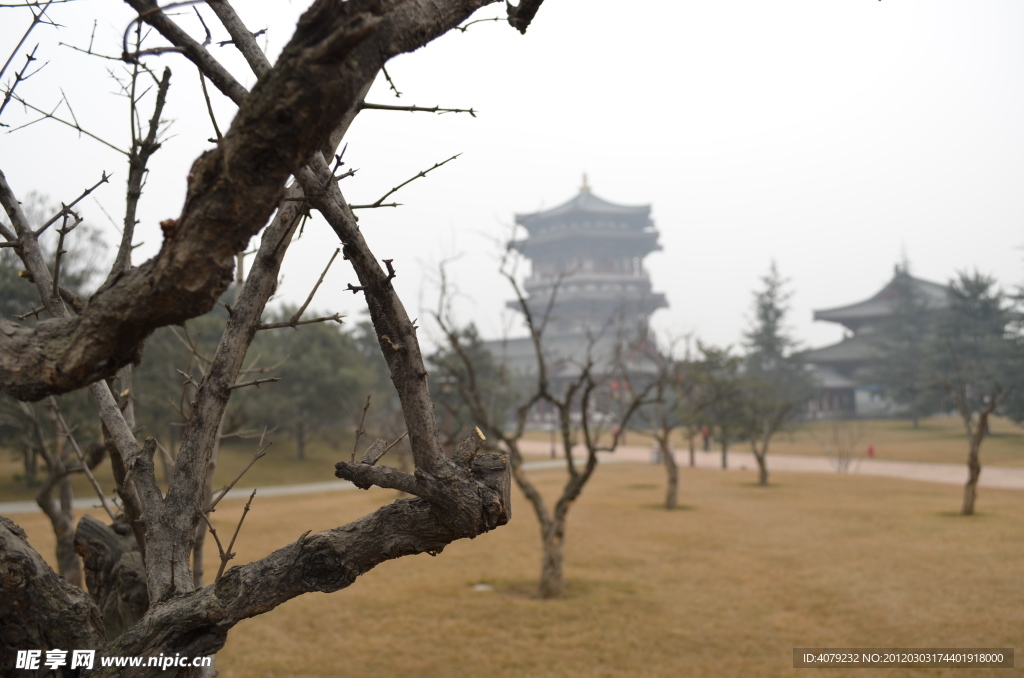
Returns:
(828, 135)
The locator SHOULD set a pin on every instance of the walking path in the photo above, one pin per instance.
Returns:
(950, 474)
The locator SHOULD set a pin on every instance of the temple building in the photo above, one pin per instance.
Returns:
(843, 370)
(587, 255)
(588, 280)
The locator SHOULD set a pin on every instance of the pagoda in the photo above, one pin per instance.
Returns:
(587, 256)
(843, 370)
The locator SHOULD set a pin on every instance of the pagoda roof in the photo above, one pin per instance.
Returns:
(828, 378)
(855, 349)
(883, 304)
(586, 205)
(552, 242)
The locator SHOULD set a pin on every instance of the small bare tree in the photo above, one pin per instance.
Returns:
(574, 408)
(844, 436)
(674, 405)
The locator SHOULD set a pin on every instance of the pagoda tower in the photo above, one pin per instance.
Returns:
(588, 255)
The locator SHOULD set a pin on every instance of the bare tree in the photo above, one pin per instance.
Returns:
(289, 125)
(842, 441)
(674, 405)
(573, 402)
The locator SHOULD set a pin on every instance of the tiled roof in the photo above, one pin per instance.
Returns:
(586, 204)
(882, 304)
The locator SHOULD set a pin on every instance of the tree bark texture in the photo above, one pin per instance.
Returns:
(38, 608)
(114, 572)
(552, 579)
(762, 468)
(672, 471)
(971, 487)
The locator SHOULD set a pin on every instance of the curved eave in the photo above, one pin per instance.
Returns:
(586, 206)
(881, 305)
(588, 301)
(852, 350)
(645, 241)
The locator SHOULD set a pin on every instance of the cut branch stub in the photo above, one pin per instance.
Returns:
(469, 501)
(469, 446)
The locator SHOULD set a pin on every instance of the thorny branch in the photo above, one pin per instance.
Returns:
(225, 557)
(360, 430)
(261, 451)
(49, 115)
(420, 175)
(415, 109)
(37, 18)
(295, 319)
(19, 77)
(66, 209)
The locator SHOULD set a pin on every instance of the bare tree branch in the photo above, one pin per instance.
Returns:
(225, 557)
(48, 115)
(420, 175)
(65, 209)
(232, 190)
(261, 451)
(415, 109)
(255, 382)
(52, 402)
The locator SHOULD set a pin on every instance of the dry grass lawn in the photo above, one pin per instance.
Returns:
(726, 586)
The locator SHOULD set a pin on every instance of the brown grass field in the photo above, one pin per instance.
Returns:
(726, 586)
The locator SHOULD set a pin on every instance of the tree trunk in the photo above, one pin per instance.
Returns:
(68, 563)
(114, 572)
(31, 466)
(725, 454)
(971, 488)
(61, 519)
(762, 468)
(38, 609)
(672, 491)
(552, 582)
(693, 453)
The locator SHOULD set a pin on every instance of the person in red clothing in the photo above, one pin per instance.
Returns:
(705, 433)
(871, 451)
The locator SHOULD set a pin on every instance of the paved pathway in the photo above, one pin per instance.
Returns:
(951, 474)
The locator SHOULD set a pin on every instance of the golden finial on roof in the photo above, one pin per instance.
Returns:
(585, 188)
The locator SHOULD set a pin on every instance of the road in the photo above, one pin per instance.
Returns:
(950, 474)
